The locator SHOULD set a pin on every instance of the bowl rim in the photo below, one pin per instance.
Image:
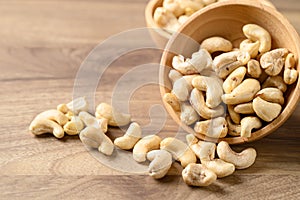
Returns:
(287, 110)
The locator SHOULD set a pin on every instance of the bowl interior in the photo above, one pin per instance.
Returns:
(226, 20)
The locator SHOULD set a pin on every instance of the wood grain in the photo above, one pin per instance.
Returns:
(42, 46)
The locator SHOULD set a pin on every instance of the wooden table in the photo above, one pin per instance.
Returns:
(42, 46)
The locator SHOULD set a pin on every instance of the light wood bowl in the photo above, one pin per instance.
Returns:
(159, 35)
(226, 20)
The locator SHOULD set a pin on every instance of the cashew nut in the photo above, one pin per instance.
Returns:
(182, 87)
(273, 61)
(257, 33)
(265, 110)
(77, 105)
(234, 79)
(290, 74)
(95, 138)
(174, 75)
(250, 47)
(188, 114)
(172, 100)
(53, 115)
(173, 6)
(191, 139)
(200, 60)
(214, 44)
(213, 88)
(114, 117)
(130, 138)
(74, 126)
(236, 117)
(198, 175)
(244, 92)
(179, 150)
(144, 145)
(204, 150)
(273, 95)
(241, 160)
(253, 68)
(245, 108)
(63, 108)
(161, 162)
(182, 66)
(214, 128)
(233, 129)
(90, 120)
(198, 103)
(40, 126)
(219, 167)
(275, 81)
(249, 123)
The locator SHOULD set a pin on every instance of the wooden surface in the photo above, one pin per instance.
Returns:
(42, 46)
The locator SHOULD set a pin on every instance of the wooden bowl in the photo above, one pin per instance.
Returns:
(226, 19)
(159, 35)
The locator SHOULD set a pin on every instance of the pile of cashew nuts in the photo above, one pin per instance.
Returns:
(250, 80)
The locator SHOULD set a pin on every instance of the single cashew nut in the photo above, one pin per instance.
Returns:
(191, 139)
(265, 110)
(244, 92)
(200, 60)
(161, 162)
(257, 33)
(188, 114)
(241, 160)
(249, 123)
(182, 87)
(233, 129)
(234, 79)
(90, 120)
(172, 100)
(273, 61)
(204, 150)
(219, 167)
(174, 75)
(275, 81)
(214, 44)
(95, 138)
(236, 117)
(290, 74)
(114, 117)
(245, 108)
(214, 128)
(74, 126)
(179, 150)
(253, 68)
(273, 95)
(144, 145)
(250, 47)
(198, 175)
(198, 103)
(130, 138)
(182, 66)
(77, 105)
(40, 126)
(53, 115)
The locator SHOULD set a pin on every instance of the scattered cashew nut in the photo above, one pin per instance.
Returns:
(74, 126)
(161, 162)
(40, 126)
(144, 145)
(130, 138)
(90, 120)
(78, 104)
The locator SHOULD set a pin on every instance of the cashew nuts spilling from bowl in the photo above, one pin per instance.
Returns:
(144, 145)
(130, 138)
(273, 61)
(214, 128)
(161, 162)
(290, 74)
(241, 160)
(214, 44)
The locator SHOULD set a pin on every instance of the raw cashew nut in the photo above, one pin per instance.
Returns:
(164, 17)
(77, 105)
(182, 87)
(250, 47)
(273, 61)
(182, 66)
(74, 126)
(130, 138)
(198, 103)
(244, 92)
(236, 117)
(214, 44)
(198, 175)
(144, 145)
(90, 120)
(179, 150)
(241, 160)
(273, 95)
(63, 108)
(114, 117)
(253, 68)
(233, 129)
(219, 167)
(188, 114)
(172, 100)
(40, 126)
(204, 150)
(191, 139)
(234, 79)
(53, 115)
(257, 33)
(95, 138)
(275, 81)
(174, 75)
(174, 7)
(290, 74)
(245, 108)
(265, 110)
(201, 60)
(161, 162)
(249, 123)
(213, 88)
(214, 128)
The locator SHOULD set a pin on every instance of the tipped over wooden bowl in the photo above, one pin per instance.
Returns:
(226, 19)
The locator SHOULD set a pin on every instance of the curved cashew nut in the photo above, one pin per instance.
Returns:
(253, 68)
(74, 126)
(40, 126)
(172, 100)
(182, 87)
(233, 129)
(204, 150)
(174, 75)
(290, 74)
(275, 81)
(245, 108)
(77, 105)
(182, 66)
(213, 88)
(214, 44)
(249, 123)
(53, 115)
(188, 114)
(144, 145)
(234, 79)
(250, 47)
(265, 110)
(114, 117)
(95, 138)
(90, 120)
(198, 103)
(200, 60)
(273, 61)
(214, 128)
(273, 95)
(198, 175)
(244, 92)
(257, 33)
(236, 117)
(191, 139)
(161, 162)
(179, 150)
(241, 160)
(130, 138)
